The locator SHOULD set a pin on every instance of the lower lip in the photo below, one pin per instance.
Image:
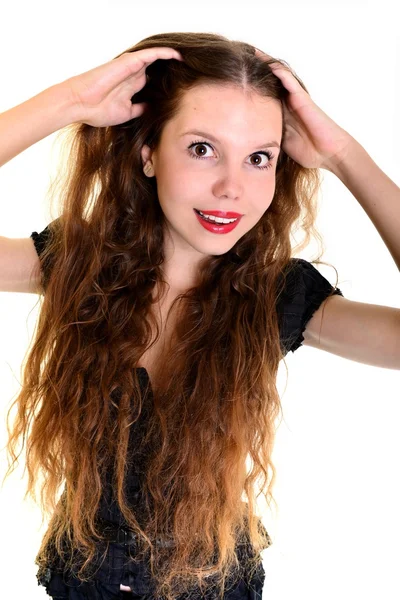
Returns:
(217, 227)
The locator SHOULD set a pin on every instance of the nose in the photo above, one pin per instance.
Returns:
(229, 183)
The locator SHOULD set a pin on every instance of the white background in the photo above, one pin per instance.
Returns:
(336, 532)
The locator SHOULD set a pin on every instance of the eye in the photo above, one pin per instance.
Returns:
(192, 154)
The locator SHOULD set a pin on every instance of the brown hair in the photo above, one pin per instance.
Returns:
(215, 400)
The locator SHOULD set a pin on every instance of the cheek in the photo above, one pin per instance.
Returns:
(177, 181)
(262, 198)
(190, 192)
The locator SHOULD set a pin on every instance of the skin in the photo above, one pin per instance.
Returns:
(227, 178)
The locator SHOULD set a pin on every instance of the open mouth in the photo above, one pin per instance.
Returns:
(214, 226)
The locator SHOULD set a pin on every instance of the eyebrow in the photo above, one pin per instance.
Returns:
(215, 140)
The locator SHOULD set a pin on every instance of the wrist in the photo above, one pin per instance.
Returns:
(336, 164)
(58, 100)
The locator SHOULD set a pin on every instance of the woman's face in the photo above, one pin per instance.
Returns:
(221, 172)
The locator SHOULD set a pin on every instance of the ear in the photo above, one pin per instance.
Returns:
(146, 154)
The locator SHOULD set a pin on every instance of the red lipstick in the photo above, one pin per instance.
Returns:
(215, 227)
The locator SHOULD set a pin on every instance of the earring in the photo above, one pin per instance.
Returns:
(148, 169)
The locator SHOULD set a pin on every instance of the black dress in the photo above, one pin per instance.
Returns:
(305, 290)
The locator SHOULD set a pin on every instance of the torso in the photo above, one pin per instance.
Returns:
(153, 355)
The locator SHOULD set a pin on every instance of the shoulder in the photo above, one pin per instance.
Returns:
(304, 290)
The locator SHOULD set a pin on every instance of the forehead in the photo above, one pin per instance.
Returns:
(228, 109)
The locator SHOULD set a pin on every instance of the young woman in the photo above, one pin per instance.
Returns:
(170, 293)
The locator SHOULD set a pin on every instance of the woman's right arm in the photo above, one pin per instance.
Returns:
(100, 97)
(20, 128)
(35, 119)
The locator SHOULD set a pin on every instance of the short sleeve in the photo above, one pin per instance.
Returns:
(304, 291)
(40, 241)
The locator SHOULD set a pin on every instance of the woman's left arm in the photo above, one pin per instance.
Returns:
(375, 191)
(366, 333)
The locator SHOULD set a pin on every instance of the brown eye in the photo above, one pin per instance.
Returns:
(253, 157)
(199, 146)
(194, 154)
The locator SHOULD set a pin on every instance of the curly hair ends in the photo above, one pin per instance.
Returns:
(215, 400)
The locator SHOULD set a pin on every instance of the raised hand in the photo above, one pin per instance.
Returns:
(312, 138)
(102, 96)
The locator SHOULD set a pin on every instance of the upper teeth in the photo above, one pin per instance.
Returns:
(217, 219)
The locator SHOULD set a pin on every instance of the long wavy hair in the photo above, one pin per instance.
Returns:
(214, 401)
